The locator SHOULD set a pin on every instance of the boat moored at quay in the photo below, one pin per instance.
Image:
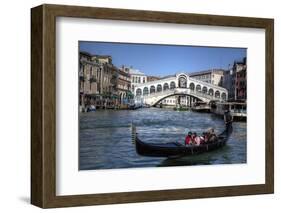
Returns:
(200, 106)
(238, 110)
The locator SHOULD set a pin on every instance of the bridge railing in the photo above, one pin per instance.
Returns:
(183, 91)
(205, 95)
(163, 92)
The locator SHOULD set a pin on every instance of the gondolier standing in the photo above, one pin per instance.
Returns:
(227, 118)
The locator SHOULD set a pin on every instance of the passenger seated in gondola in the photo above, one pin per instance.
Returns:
(197, 139)
(193, 135)
(188, 139)
(203, 137)
(212, 137)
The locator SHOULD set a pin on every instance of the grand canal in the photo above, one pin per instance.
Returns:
(105, 138)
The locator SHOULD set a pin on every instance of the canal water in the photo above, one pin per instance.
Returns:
(105, 138)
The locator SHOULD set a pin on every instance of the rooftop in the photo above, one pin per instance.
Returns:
(206, 72)
(97, 56)
(167, 76)
(135, 72)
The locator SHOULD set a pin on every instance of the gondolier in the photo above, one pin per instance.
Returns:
(227, 118)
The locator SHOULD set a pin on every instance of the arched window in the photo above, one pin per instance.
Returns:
(145, 91)
(191, 86)
(159, 88)
(138, 92)
(166, 86)
(172, 85)
(198, 88)
(211, 92)
(217, 94)
(182, 82)
(204, 90)
(223, 96)
(152, 89)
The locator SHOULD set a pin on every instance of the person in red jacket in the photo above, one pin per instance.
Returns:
(188, 139)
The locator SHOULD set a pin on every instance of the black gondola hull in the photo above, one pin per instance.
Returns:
(176, 149)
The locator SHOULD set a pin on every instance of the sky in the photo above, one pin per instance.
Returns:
(162, 60)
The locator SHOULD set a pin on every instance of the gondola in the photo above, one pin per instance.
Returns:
(175, 149)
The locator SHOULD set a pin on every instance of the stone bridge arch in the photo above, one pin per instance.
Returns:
(171, 95)
(156, 98)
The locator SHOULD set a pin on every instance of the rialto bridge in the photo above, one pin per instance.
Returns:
(152, 93)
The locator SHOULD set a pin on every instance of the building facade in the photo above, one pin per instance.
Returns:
(137, 77)
(152, 78)
(123, 86)
(96, 80)
(241, 80)
(229, 83)
(88, 72)
(213, 76)
(235, 81)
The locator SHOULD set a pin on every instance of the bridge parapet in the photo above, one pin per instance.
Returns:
(205, 95)
(156, 94)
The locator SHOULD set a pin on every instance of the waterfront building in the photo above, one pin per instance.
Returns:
(170, 101)
(229, 83)
(88, 72)
(176, 100)
(241, 80)
(212, 76)
(96, 80)
(137, 77)
(123, 86)
(235, 81)
(152, 78)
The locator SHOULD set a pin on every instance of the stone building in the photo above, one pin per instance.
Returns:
(88, 72)
(123, 86)
(213, 76)
(96, 80)
(152, 78)
(137, 77)
(229, 83)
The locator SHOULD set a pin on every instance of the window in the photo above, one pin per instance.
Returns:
(145, 91)
(198, 88)
(138, 93)
(172, 85)
(166, 86)
(191, 86)
(152, 89)
(159, 88)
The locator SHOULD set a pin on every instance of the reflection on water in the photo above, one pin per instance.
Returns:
(105, 138)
